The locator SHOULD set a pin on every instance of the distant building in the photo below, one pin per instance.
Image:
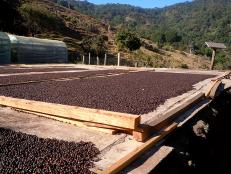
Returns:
(33, 50)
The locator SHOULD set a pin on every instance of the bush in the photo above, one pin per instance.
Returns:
(184, 66)
(37, 18)
(128, 40)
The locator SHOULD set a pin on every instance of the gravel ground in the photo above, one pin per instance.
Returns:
(24, 70)
(22, 153)
(38, 77)
(135, 93)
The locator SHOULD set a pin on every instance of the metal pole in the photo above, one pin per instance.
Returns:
(105, 59)
(118, 63)
(89, 61)
(213, 59)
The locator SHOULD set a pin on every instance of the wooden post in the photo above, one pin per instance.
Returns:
(105, 59)
(213, 59)
(97, 58)
(83, 59)
(136, 64)
(118, 63)
(89, 61)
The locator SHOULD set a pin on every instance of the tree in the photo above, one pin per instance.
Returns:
(10, 19)
(86, 45)
(96, 45)
(160, 38)
(128, 40)
(38, 18)
(172, 37)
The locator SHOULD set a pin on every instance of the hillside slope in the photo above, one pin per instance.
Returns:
(46, 19)
(180, 25)
(72, 26)
(197, 21)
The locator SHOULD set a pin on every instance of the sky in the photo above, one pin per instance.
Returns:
(141, 3)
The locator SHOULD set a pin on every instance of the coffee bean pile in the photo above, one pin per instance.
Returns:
(25, 70)
(38, 77)
(14, 79)
(22, 153)
(135, 93)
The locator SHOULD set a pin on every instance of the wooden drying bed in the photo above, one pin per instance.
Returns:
(165, 129)
(105, 121)
(111, 122)
(120, 120)
(102, 120)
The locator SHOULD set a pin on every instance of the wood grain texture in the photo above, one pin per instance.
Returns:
(73, 112)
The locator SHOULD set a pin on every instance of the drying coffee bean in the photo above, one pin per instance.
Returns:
(22, 153)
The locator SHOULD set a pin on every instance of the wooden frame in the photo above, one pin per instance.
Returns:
(125, 161)
(73, 122)
(116, 119)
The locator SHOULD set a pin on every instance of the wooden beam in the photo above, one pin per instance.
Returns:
(152, 162)
(98, 125)
(73, 122)
(89, 58)
(118, 61)
(226, 74)
(213, 59)
(214, 91)
(128, 159)
(164, 119)
(117, 119)
(210, 87)
(176, 110)
(141, 136)
(105, 60)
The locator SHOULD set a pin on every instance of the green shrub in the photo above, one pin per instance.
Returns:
(37, 18)
(128, 40)
(184, 66)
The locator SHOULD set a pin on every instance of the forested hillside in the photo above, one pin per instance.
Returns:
(194, 21)
(46, 19)
(161, 31)
(173, 27)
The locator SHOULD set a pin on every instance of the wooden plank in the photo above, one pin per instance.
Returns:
(224, 75)
(125, 161)
(213, 59)
(226, 83)
(74, 112)
(152, 162)
(90, 124)
(176, 110)
(167, 118)
(73, 122)
(213, 93)
(141, 136)
(214, 83)
(209, 88)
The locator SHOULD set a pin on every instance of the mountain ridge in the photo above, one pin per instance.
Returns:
(47, 19)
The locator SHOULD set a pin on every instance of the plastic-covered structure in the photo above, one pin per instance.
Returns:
(34, 50)
(5, 57)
